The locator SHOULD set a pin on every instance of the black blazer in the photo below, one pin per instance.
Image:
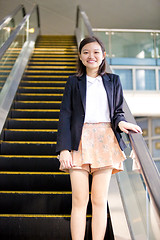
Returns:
(73, 107)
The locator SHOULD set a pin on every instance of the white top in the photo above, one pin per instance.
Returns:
(97, 108)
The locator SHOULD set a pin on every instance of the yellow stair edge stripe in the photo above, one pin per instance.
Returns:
(56, 49)
(52, 58)
(50, 63)
(28, 142)
(46, 76)
(30, 130)
(38, 215)
(41, 94)
(35, 110)
(26, 81)
(45, 71)
(34, 173)
(51, 88)
(34, 192)
(53, 67)
(38, 101)
(28, 156)
(34, 119)
(54, 55)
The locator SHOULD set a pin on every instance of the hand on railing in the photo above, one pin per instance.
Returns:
(126, 127)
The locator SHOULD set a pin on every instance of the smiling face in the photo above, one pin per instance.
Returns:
(92, 56)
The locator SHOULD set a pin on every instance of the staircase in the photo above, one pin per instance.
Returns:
(35, 197)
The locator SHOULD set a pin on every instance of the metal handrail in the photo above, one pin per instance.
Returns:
(126, 30)
(8, 18)
(14, 34)
(86, 20)
(147, 165)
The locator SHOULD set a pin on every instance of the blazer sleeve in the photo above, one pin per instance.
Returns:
(118, 104)
(64, 126)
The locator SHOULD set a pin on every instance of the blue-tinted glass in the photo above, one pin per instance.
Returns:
(159, 79)
(156, 127)
(143, 123)
(158, 165)
(156, 148)
(145, 79)
(126, 78)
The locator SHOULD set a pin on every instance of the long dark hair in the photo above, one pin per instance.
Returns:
(81, 69)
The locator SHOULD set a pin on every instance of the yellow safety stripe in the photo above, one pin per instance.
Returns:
(52, 67)
(28, 142)
(38, 215)
(48, 71)
(46, 76)
(50, 63)
(31, 130)
(38, 101)
(36, 110)
(34, 173)
(62, 82)
(58, 88)
(41, 94)
(55, 59)
(34, 119)
(32, 192)
(54, 55)
(28, 156)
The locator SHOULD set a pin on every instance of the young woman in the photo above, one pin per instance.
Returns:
(89, 139)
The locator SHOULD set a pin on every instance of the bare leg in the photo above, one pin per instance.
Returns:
(99, 193)
(80, 197)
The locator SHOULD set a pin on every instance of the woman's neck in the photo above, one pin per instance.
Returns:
(92, 73)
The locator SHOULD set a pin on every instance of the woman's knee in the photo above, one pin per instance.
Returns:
(80, 200)
(98, 201)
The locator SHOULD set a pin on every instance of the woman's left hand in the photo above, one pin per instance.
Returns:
(126, 126)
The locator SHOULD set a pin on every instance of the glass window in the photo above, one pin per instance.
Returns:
(126, 78)
(132, 45)
(104, 36)
(143, 123)
(156, 127)
(156, 148)
(145, 79)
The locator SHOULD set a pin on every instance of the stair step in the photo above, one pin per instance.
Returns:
(51, 64)
(28, 147)
(37, 104)
(56, 55)
(29, 202)
(59, 90)
(34, 181)
(47, 72)
(62, 77)
(50, 83)
(31, 123)
(30, 134)
(38, 97)
(38, 227)
(29, 163)
(60, 59)
(35, 113)
(47, 68)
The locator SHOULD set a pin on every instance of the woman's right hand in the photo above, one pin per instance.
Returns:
(65, 159)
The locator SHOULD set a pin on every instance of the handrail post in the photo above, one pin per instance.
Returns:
(23, 11)
(77, 17)
(38, 17)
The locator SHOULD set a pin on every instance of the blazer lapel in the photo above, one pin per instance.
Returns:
(82, 88)
(108, 85)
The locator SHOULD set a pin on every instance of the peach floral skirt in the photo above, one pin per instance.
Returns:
(98, 149)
